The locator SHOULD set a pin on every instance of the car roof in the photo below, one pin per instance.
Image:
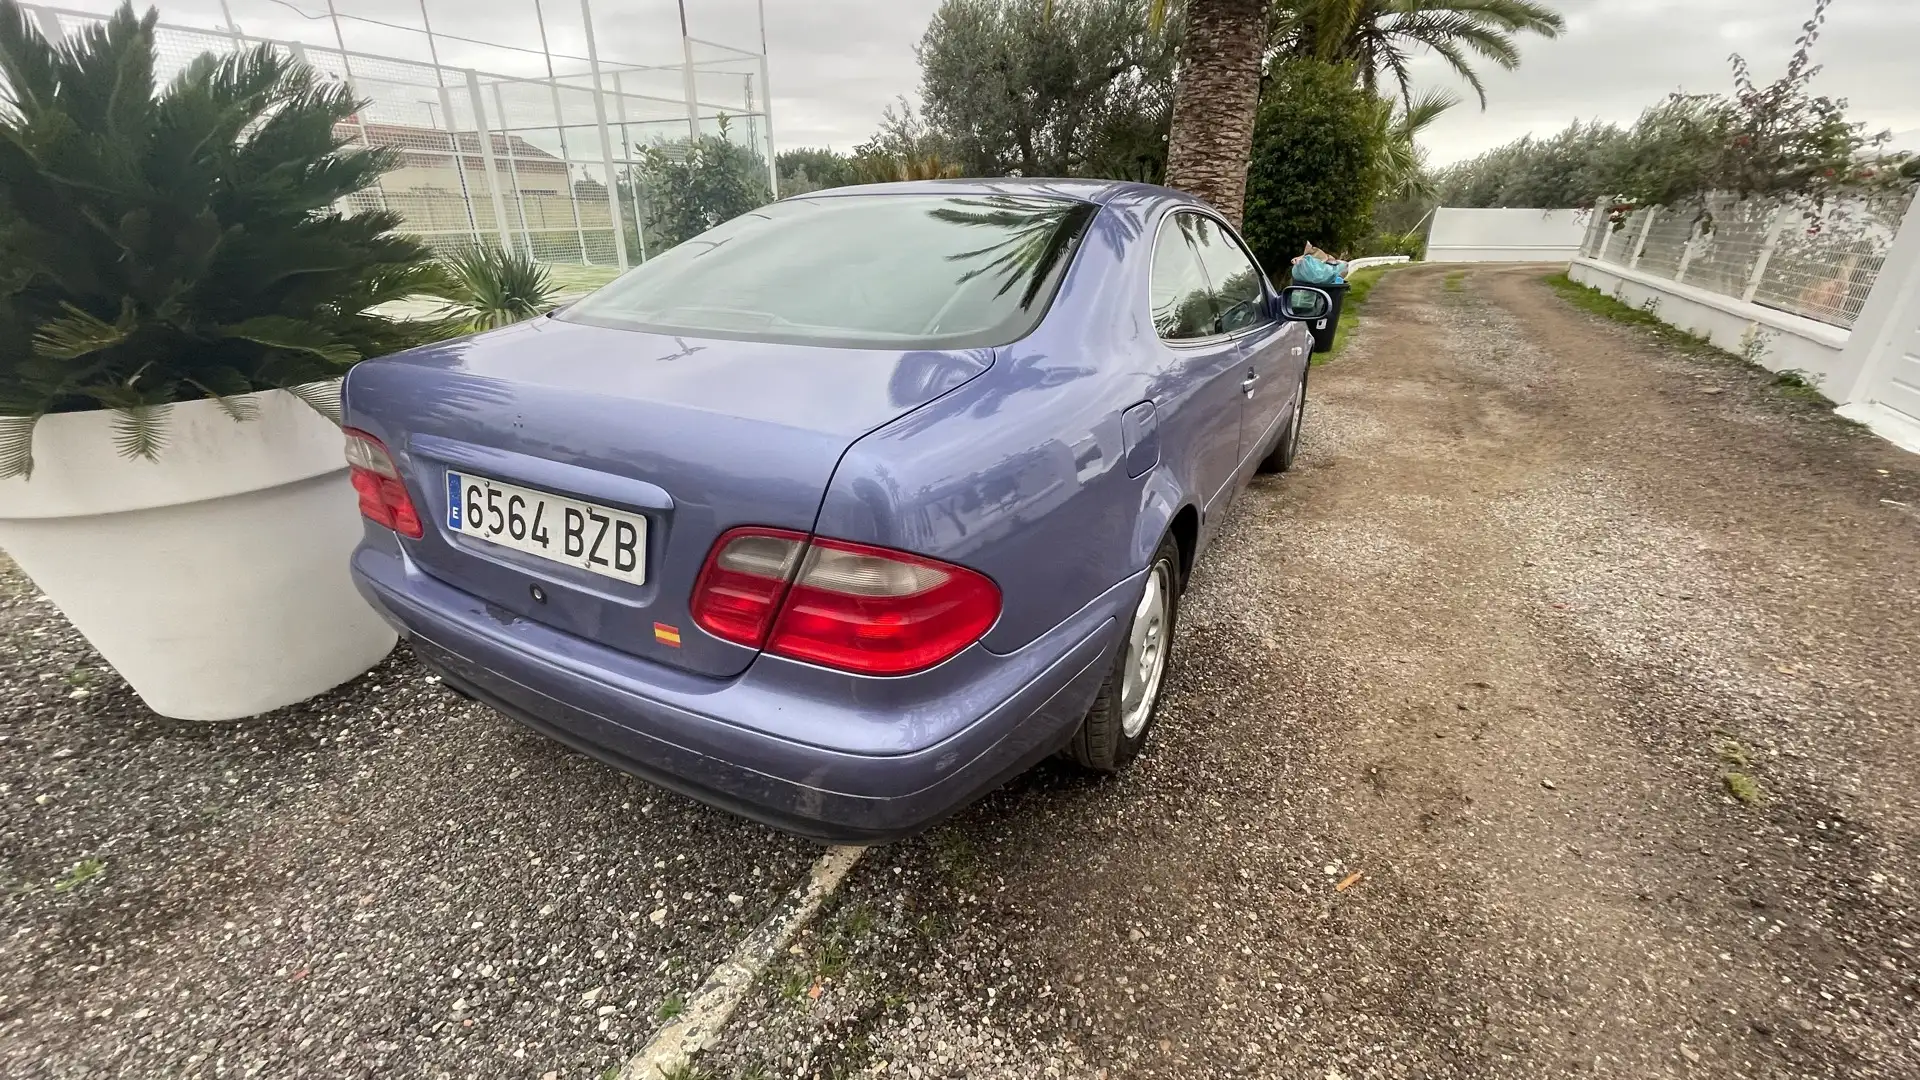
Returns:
(1084, 190)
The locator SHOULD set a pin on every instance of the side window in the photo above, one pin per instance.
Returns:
(1182, 301)
(1237, 288)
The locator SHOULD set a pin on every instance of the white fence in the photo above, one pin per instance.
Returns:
(1504, 235)
(543, 159)
(1785, 287)
(1817, 263)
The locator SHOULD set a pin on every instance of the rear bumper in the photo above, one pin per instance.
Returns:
(960, 733)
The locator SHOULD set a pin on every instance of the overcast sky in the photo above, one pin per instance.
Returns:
(836, 63)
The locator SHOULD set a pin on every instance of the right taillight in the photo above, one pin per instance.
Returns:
(383, 496)
(860, 608)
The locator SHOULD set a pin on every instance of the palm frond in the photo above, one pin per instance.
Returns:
(16, 445)
(227, 387)
(293, 335)
(140, 431)
(27, 61)
(1457, 60)
(79, 332)
(321, 397)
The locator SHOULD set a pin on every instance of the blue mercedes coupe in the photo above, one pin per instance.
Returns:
(848, 510)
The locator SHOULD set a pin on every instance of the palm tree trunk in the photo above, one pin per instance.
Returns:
(1215, 101)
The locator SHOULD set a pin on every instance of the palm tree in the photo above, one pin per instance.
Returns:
(1225, 42)
(1214, 98)
(1403, 164)
(1383, 36)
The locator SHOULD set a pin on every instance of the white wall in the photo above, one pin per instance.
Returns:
(1504, 235)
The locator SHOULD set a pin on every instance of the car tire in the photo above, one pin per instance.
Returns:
(1116, 728)
(1282, 457)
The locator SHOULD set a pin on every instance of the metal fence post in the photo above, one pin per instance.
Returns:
(626, 154)
(766, 106)
(560, 127)
(692, 88)
(1695, 236)
(459, 160)
(606, 141)
(1640, 244)
(513, 172)
(1781, 216)
(485, 134)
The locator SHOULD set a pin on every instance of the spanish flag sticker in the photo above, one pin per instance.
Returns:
(666, 635)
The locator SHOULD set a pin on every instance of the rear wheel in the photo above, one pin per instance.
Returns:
(1117, 726)
(1281, 459)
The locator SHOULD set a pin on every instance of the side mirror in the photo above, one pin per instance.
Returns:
(1302, 303)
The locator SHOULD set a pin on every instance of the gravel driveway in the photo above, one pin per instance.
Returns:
(386, 881)
(1441, 790)
(1540, 586)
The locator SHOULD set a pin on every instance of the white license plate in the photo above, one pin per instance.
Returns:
(612, 543)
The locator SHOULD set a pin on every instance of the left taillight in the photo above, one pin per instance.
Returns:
(383, 497)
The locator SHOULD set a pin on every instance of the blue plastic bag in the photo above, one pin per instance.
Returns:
(1313, 270)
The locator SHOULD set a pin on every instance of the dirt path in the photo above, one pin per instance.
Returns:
(1538, 587)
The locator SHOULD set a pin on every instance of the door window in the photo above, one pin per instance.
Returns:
(1183, 304)
(1239, 293)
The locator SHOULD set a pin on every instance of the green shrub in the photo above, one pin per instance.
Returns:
(161, 245)
(491, 288)
(1315, 164)
(688, 188)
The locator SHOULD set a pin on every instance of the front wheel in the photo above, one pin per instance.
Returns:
(1116, 728)
(1282, 457)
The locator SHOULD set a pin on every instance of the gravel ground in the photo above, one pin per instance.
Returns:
(386, 881)
(1543, 594)
(1539, 587)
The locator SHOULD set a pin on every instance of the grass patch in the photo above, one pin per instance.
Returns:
(1742, 787)
(1795, 383)
(1735, 754)
(83, 871)
(1359, 286)
(670, 1008)
(1590, 299)
(1456, 281)
(572, 279)
(955, 854)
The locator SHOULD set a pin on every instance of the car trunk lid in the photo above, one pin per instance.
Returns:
(696, 435)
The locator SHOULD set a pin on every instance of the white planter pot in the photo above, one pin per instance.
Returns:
(214, 580)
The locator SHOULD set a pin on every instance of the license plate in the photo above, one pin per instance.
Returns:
(612, 543)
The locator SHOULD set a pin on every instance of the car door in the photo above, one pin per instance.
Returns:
(1275, 350)
(1197, 394)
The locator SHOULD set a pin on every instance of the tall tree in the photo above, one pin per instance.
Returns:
(1215, 99)
(1318, 158)
(1046, 88)
(1382, 37)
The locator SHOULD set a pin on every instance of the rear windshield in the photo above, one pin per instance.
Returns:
(857, 271)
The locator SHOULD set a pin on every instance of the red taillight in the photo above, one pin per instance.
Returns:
(383, 497)
(739, 589)
(851, 606)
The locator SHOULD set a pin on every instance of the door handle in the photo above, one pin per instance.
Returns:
(1246, 384)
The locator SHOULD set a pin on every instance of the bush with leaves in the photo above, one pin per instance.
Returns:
(1317, 163)
(1049, 87)
(687, 188)
(166, 244)
(813, 168)
(487, 288)
(1776, 139)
